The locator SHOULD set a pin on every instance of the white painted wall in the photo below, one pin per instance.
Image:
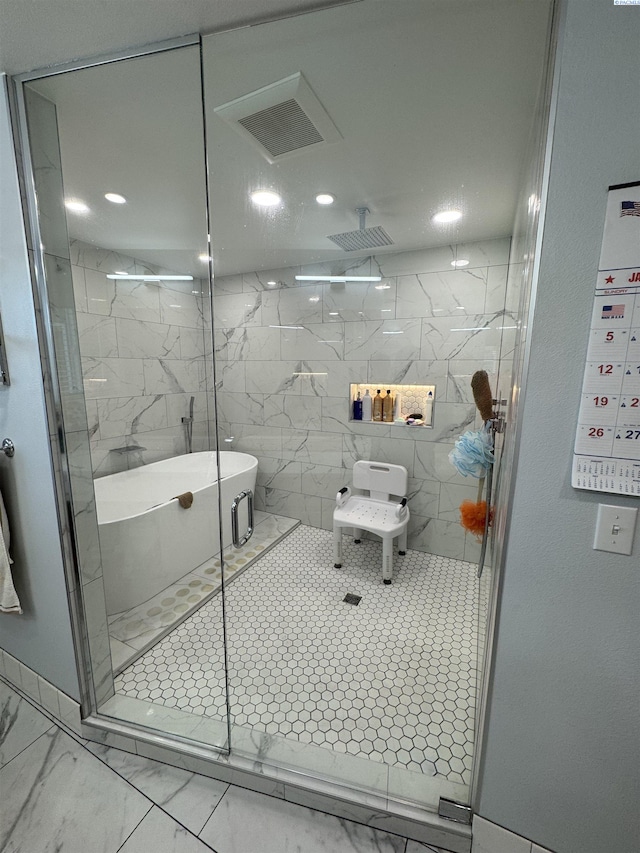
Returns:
(41, 636)
(562, 750)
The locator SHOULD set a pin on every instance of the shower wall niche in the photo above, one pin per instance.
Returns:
(286, 353)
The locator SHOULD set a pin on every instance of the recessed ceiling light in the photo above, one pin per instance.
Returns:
(76, 206)
(462, 262)
(314, 299)
(116, 198)
(325, 198)
(265, 198)
(446, 216)
(383, 287)
(271, 283)
(204, 258)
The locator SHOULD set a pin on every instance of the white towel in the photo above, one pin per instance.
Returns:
(9, 602)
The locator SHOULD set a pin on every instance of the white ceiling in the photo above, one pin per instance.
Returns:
(434, 100)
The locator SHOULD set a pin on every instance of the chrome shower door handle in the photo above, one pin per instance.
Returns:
(238, 542)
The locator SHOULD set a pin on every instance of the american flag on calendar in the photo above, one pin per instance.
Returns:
(612, 312)
(630, 208)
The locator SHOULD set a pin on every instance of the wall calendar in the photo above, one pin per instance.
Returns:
(606, 456)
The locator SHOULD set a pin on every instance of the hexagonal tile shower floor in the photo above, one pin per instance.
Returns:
(392, 679)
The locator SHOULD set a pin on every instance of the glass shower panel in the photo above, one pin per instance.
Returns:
(321, 260)
(118, 168)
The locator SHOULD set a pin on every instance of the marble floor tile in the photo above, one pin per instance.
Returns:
(160, 832)
(56, 798)
(277, 826)
(188, 797)
(20, 724)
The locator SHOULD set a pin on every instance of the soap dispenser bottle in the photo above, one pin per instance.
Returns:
(377, 406)
(357, 408)
(387, 408)
(367, 406)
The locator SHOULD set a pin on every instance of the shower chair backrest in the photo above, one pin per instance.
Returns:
(380, 479)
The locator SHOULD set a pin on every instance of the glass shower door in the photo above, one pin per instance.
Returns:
(117, 164)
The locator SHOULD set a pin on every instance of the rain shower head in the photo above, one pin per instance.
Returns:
(363, 238)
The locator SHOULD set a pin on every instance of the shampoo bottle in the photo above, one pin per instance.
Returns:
(428, 409)
(357, 408)
(387, 408)
(377, 406)
(367, 406)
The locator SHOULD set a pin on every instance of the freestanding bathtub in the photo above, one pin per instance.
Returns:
(148, 541)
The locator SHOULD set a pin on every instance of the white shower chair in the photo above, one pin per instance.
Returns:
(375, 512)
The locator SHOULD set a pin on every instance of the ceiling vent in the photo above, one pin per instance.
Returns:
(281, 119)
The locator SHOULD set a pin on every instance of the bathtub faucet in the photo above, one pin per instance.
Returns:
(188, 426)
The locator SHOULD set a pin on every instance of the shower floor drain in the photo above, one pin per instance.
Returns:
(352, 599)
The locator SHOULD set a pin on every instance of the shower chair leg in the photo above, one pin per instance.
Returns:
(402, 543)
(387, 559)
(337, 547)
(357, 535)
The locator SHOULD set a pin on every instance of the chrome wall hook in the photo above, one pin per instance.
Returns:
(8, 447)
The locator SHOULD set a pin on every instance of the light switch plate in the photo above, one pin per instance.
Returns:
(615, 526)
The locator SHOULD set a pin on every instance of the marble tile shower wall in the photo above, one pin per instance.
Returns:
(143, 348)
(286, 354)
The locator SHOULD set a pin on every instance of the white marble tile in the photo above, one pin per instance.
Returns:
(454, 293)
(178, 407)
(293, 306)
(292, 412)
(230, 375)
(424, 496)
(323, 481)
(477, 336)
(436, 536)
(42, 788)
(399, 452)
(496, 289)
(179, 306)
(307, 508)
(70, 713)
(409, 372)
(29, 682)
(360, 301)
(419, 847)
(460, 372)
(535, 848)
(453, 494)
(186, 796)
(485, 252)
(194, 343)
(21, 725)
(12, 669)
(252, 343)
(49, 697)
(113, 377)
(79, 290)
(420, 260)
(432, 462)
(241, 408)
(258, 440)
(264, 279)
(282, 826)
(394, 340)
(276, 377)
(488, 837)
(310, 446)
(159, 832)
(97, 336)
(143, 339)
(242, 309)
(451, 420)
(281, 474)
(121, 416)
(171, 376)
(133, 300)
(317, 341)
(228, 284)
